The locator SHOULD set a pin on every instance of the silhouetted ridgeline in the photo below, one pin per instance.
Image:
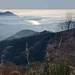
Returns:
(7, 13)
(59, 45)
(37, 45)
(22, 33)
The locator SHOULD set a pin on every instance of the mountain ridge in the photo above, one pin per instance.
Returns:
(22, 33)
(7, 13)
(56, 43)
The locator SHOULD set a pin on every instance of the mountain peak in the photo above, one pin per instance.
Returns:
(7, 13)
(22, 33)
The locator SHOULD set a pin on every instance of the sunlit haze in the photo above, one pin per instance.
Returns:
(45, 12)
(32, 19)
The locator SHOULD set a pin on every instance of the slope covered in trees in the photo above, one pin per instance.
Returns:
(61, 44)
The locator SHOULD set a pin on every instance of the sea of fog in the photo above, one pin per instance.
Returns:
(37, 21)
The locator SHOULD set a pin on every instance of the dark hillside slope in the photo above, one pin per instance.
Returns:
(62, 46)
(22, 33)
(37, 45)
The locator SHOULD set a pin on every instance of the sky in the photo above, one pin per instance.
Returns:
(37, 4)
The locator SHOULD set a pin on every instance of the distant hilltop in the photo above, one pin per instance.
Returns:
(7, 13)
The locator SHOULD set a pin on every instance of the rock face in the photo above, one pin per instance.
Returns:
(59, 45)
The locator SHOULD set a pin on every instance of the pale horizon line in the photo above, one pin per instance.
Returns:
(36, 9)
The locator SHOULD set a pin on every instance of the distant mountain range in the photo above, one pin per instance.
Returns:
(7, 13)
(13, 50)
(60, 44)
(22, 33)
(11, 24)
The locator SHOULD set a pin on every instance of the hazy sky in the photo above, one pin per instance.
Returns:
(37, 4)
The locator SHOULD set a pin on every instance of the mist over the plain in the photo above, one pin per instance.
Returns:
(9, 25)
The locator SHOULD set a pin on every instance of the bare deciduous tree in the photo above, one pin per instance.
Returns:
(68, 20)
(68, 24)
(27, 53)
